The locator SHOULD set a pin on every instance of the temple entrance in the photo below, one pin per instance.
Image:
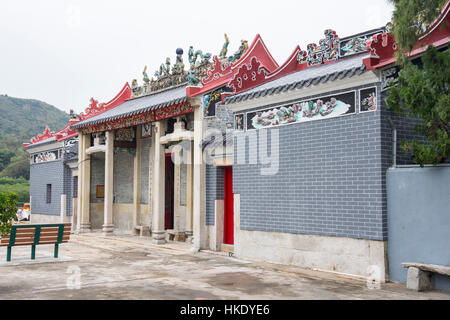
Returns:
(228, 230)
(169, 196)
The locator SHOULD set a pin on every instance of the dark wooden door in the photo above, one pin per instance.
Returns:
(228, 231)
(169, 184)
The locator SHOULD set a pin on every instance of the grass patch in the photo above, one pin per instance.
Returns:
(18, 185)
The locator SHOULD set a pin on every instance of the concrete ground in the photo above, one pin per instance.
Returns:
(92, 266)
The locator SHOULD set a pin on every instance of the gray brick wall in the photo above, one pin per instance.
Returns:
(68, 189)
(123, 176)
(224, 117)
(97, 175)
(330, 180)
(214, 190)
(42, 174)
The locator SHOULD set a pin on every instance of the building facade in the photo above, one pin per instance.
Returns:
(280, 163)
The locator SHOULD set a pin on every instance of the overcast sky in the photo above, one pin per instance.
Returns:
(65, 51)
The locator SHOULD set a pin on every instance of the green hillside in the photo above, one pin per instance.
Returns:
(21, 119)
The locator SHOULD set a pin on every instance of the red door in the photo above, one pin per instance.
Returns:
(168, 193)
(228, 230)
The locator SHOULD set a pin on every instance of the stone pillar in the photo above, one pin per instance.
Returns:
(419, 280)
(108, 225)
(158, 228)
(63, 210)
(189, 181)
(137, 180)
(80, 180)
(199, 220)
(85, 222)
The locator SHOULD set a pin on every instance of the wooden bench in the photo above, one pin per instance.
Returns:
(25, 235)
(420, 275)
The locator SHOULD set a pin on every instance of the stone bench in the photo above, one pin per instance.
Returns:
(420, 275)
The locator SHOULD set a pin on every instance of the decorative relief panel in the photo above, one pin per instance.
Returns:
(46, 156)
(308, 110)
(368, 99)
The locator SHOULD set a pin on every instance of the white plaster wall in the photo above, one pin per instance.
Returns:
(123, 217)
(47, 218)
(145, 218)
(97, 215)
(343, 255)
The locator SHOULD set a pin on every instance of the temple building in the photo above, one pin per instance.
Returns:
(237, 153)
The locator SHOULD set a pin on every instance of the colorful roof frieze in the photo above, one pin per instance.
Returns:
(224, 68)
(330, 49)
(200, 66)
(302, 79)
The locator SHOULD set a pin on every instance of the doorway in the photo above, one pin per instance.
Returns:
(228, 230)
(168, 193)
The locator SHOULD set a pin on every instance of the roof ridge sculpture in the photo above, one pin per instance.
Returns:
(47, 134)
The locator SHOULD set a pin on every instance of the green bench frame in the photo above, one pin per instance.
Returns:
(37, 236)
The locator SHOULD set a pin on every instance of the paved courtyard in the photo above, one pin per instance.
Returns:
(92, 266)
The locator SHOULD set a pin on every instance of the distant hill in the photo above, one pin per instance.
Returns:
(20, 120)
(25, 118)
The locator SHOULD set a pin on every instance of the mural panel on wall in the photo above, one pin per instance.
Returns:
(210, 101)
(368, 99)
(125, 141)
(308, 110)
(46, 156)
(239, 122)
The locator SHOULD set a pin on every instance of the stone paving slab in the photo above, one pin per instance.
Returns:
(93, 266)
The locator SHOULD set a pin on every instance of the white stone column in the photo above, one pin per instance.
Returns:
(80, 181)
(63, 210)
(199, 220)
(158, 228)
(108, 225)
(85, 223)
(137, 180)
(189, 187)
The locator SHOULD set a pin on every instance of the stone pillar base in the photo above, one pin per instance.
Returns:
(85, 227)
(419, 280)
(108, 228)
(159, 237)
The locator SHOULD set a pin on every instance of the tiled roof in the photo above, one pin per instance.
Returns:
(304, 78)
(139, 105)
(40, 143)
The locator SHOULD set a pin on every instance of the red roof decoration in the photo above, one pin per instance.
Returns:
(247, 76)
(383, 46)
(95, 108)
(223, 71)
(43, 136)
(66, 132)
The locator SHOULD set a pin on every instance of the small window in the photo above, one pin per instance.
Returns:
(49, 193)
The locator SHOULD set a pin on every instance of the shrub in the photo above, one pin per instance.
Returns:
(8, 210)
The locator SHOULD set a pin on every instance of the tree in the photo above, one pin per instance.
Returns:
(8, 210)
(5, 157)
(19, 167)
(422, 93)
(411, 18)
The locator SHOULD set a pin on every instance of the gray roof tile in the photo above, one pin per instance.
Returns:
(138, 105)
(320, 74)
